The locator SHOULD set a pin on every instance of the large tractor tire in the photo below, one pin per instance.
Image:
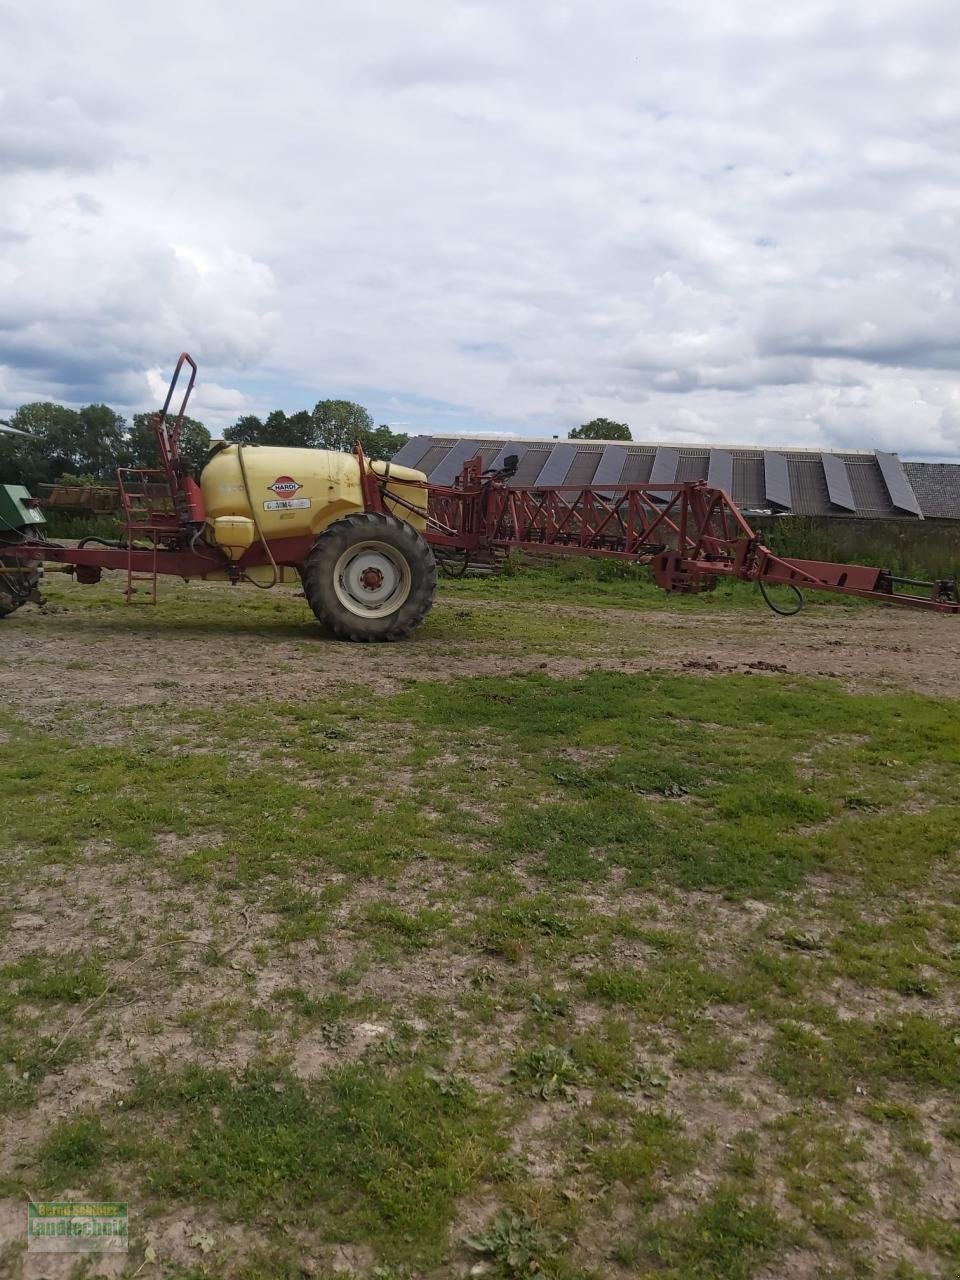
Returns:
(370, 577)
(17, 588)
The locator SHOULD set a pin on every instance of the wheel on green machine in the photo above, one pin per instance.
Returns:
(370, 577)
(19, 582)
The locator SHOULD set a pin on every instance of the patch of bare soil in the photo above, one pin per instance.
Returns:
(59, 661)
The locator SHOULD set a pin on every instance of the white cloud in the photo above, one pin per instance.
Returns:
(727, 221)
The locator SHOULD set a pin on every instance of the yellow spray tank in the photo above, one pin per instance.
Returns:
(366, 575)
(296, 492)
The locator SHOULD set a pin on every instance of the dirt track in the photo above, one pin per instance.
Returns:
(75, 657)
(88, 662)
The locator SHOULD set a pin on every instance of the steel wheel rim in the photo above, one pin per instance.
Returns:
(372, 579)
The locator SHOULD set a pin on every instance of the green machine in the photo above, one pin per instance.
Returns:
(19, 579)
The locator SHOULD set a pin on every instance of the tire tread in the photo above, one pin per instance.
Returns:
(317, 577)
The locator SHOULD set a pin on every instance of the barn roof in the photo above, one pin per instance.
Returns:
(786, 480)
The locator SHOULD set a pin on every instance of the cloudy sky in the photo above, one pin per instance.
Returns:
(728, 221)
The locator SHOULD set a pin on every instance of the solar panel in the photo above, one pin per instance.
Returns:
(557, 464)
(413, 452)
(511, 448)
(611, 466)
(838, 482)
(898, 485)
(664, 466)
(720, 470)
(450, 467)
(776, 480)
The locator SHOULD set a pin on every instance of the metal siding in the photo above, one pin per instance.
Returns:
(410, 454)
(897, 484)
(692, 465)
(720, 470)
(558, 463)
(433, 457)
(452, 464)
(531, 464)
(747, 488)
(664, 470)
(488, 452)
(867, 485)
(584, 466)
(776, 480)
(637, 468)
(838, 481)
(808, 486)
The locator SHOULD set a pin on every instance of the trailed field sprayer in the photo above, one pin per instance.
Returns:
(364, 538)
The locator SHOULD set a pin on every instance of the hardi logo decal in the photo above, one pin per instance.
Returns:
(285, 486)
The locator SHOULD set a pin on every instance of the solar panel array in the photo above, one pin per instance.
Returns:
(789, 481)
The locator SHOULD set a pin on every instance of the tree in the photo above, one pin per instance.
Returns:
(140, 449)
(338, 423)
(333, 424)
(99, 441)
(57, 440)
(86, 444)
(28, 459)
(601, 429)
(294, 432)
(381, 443)
(246, 430)
(300, 430)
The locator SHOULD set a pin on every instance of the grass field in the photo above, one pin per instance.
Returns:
(535, 945)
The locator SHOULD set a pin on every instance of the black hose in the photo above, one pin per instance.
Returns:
(117, 545)
(784, 613)
(444, 564)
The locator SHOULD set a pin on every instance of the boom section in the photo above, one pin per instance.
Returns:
(689, 534)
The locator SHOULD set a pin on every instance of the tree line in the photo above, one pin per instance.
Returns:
(88, 445)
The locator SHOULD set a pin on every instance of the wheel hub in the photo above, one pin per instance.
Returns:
(372, 579)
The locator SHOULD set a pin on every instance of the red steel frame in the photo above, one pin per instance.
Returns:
(689, 534)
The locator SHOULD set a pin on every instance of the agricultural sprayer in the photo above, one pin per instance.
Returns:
(364, 538)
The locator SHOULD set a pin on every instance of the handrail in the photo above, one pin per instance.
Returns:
(185, 358)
